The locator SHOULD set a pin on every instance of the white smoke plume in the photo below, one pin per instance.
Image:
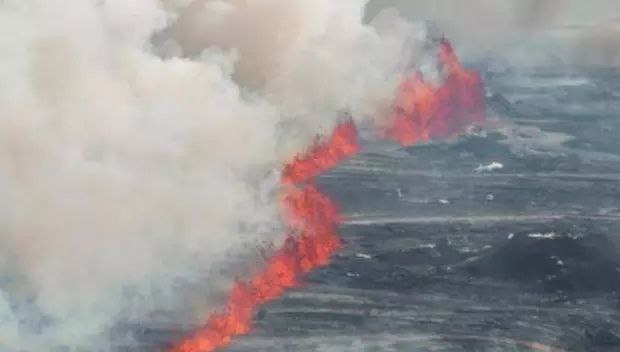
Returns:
(140, 143)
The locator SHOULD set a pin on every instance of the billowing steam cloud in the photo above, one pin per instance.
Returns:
(140, 143)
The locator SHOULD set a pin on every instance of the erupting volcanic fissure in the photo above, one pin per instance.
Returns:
(422, 112)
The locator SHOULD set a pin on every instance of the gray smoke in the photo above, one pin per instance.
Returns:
(598, 45)
(140, 144)
(522, 32)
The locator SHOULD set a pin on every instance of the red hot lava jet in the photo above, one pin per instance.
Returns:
(424, 111)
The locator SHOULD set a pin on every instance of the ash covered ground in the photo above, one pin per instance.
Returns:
(505, 239)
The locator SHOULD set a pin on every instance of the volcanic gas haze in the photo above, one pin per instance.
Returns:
(140, 146)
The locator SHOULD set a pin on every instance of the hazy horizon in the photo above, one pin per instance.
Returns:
(522, 32)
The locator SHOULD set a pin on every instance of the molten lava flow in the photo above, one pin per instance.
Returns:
(323, 156)
(423, 111)
(313, 219)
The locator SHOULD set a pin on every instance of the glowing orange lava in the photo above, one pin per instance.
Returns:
(423, 111)
(313, 219)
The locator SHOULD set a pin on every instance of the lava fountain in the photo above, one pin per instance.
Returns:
(421, 112)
